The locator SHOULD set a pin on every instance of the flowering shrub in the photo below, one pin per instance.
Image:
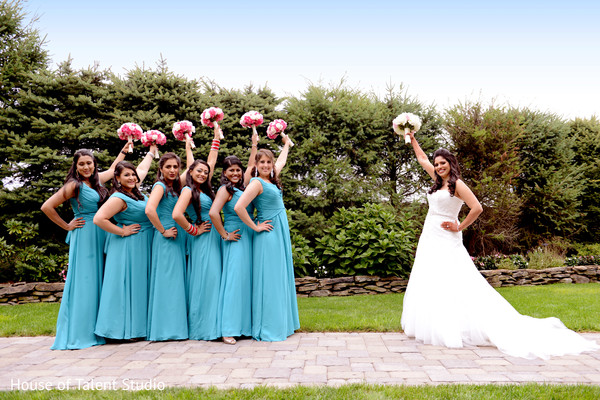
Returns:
(500, 261)
(582, 260)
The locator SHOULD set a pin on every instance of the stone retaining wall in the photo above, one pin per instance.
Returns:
(350, 285)
(19, 293)
(36, 292)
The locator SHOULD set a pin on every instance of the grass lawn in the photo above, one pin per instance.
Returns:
(350, 392)
(578, 306)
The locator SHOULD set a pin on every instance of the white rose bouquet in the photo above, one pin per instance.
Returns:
(406, 122)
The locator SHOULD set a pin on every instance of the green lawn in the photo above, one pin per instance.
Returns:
(578, 306)
(349, 392)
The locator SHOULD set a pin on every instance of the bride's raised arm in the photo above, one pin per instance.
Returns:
(421, 156)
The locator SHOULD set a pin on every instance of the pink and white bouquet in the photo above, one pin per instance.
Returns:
(251, 119)
(130, 132)
(153, 137)
(277, 127)
(183, 130)
(405, 123)
(211, 117)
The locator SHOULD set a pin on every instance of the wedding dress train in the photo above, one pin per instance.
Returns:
(448, 303)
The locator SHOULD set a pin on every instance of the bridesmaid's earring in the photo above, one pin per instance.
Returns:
(256, 172)
(118, 184)
(271, 174)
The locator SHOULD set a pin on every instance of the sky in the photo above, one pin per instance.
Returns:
(544, 55)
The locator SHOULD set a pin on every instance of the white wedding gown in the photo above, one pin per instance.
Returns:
(448, 303)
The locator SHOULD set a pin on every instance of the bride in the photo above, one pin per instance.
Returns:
(447, 301)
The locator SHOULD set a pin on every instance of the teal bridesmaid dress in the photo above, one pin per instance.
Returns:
(167, 310)
(235, 295)
(274, 304)
(81, 295)
(123, 312)
(203, 277)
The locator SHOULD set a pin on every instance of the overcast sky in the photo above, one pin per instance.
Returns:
(543, 55)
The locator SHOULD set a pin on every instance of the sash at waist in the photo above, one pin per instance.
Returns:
(269, 213)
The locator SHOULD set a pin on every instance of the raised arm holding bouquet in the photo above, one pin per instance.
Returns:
(252, 119)
(211, 117)
(277, 127)
(183, 129)
(405, 123)
(130, 132)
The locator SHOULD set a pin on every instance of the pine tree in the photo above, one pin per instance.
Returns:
(586, 146)
(58, 113)
(21, 50)
(550, 184)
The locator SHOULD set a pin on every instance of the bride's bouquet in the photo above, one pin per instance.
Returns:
(153, 137)
(183, 130)
(405, 123)
(211, 117)
(130, 132)
(277, 127)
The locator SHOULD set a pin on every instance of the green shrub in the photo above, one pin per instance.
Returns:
(305, 261)
(542, 258)
(506, 263)
(587, 249)
(500, 261)
(582, 260)
(370, 240)
(26, 262)
(519, 261)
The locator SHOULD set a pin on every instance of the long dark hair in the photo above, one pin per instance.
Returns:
(205, 188)
(454, 172)
(228, 162)
(116, 187)
(174, 188)
(268, 153)
(73, 176)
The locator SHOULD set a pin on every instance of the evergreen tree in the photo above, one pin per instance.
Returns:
(550, 183)
(21, 50)
(58, 113)
(586, 146)
(485, 142)
(348, 154)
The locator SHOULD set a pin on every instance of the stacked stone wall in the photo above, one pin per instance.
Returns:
(41, 292)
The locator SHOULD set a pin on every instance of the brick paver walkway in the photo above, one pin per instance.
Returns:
(305, 358)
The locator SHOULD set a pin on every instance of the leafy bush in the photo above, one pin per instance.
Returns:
(500, 261)
(582, 260)
(542, 258)
(370, 240)
(587, 249)
(26, 262)
(305, 261)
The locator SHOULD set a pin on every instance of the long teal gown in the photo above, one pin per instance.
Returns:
(274, 304)
(235, 294)
(203, 277)
(81, 295)
(167, 309)
(123, 312)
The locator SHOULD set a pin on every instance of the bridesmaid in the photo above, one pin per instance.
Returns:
(84, 189)
(204, 247)
(167, 309)
(235, 294)
(123, 308)
(274, 305)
